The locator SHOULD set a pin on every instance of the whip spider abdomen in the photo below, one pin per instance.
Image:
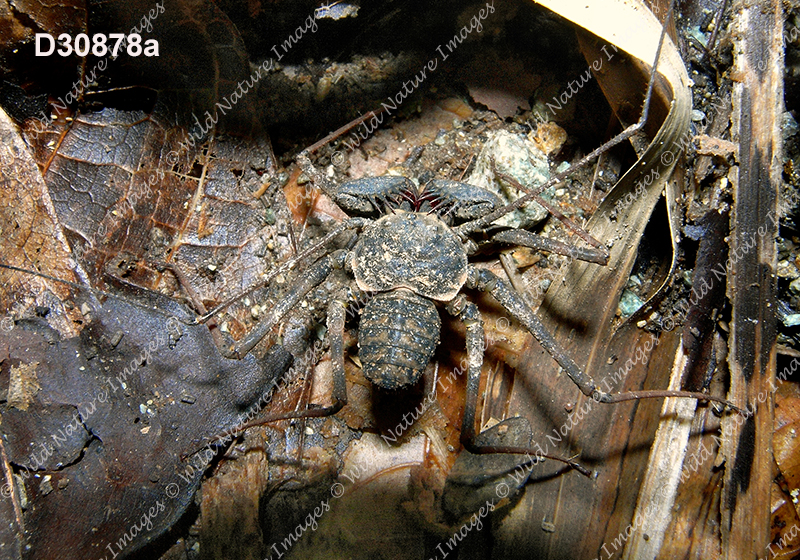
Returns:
(398, 334)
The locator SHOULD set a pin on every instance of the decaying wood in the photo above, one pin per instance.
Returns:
(758, 104)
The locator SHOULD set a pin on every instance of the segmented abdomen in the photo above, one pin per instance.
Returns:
(398, 334)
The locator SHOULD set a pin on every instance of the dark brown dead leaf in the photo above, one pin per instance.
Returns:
(31, 236)
(785, 440)
(784, 543)
(123, 189)
(114, 432)
(69, 374)
(129, 186)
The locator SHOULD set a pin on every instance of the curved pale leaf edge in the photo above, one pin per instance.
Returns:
(577, 301)
(580, 311)
(31, 236)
